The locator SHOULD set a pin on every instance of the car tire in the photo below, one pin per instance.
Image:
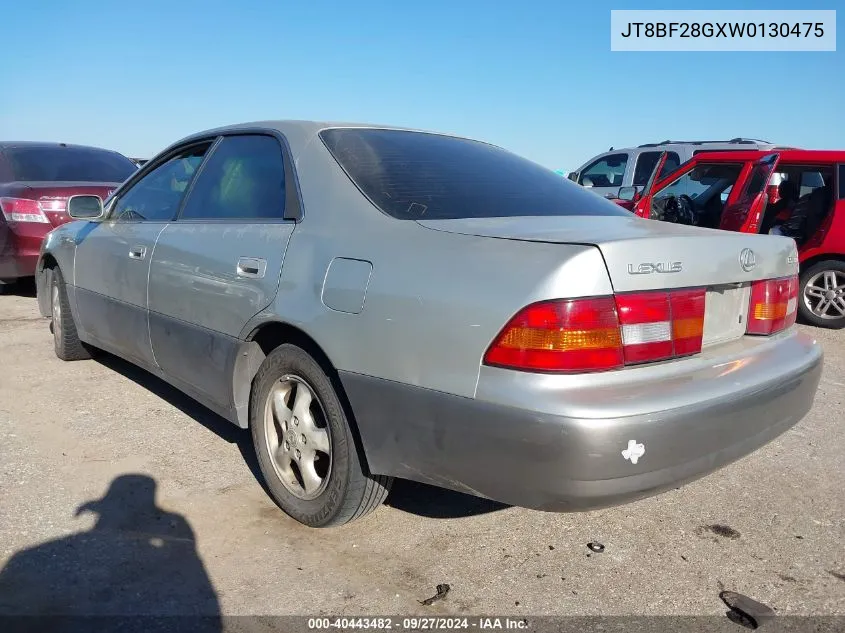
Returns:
(65, 337)
(821, 294)
(317, 476)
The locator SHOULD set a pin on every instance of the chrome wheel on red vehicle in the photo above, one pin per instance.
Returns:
(823, 294)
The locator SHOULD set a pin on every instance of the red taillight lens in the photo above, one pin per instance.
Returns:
(595, 334)
(22, 210)
(773, 306)
(646, 326)
(687, 320)
(561, 336)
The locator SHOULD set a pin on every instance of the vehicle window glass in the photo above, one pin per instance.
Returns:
(810, 181)
(157, 196)
(67, 164)
(646, 162)
(607, 171)
(842, 182)
(756, 182)
(703, 180)
(422, 176)
(244, 178)
(673, 161)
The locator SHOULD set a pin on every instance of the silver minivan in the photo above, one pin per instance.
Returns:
(632, 166)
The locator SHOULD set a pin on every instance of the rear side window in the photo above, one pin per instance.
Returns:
(646, 162)
(673, 161)
(422, 176)
(243, 179)
(68, 164)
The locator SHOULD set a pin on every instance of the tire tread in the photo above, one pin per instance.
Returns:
(68, 347)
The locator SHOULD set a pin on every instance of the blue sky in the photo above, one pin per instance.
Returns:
(535, 76)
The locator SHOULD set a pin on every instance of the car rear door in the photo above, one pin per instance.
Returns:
(219, 264)
(112, 261)
(744, 211)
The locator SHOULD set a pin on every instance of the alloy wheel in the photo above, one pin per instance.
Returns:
(298, 437)
(824, 294)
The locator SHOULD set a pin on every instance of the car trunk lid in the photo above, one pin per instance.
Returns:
(642, 255)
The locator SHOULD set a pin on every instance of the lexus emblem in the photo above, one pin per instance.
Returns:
(747, 259)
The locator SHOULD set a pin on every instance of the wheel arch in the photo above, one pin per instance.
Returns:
(43, 279)
(822, 257)
(259, 343)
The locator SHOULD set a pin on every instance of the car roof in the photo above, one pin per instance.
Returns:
(789, 155)
(299, 133)
(46, 144)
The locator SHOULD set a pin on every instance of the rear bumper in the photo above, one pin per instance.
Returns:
(20, 246)
(556, 443)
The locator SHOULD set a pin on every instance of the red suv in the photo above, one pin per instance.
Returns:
(36, 181)
(796, 193)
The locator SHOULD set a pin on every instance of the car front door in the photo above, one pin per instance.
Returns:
(219, 263)
(113, 256)
(745, 210)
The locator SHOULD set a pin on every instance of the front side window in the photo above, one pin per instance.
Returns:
(67, 164)
(422, 176)
(756, 182)
(157, 196)
(607, 171)
(244, 179)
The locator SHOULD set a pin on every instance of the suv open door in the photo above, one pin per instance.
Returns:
(743, 213)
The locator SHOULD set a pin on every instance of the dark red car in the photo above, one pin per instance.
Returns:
(796, 193)
(36, 180)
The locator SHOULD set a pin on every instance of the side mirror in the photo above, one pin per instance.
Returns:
(573, 176)
(85, 207)
(629, 194)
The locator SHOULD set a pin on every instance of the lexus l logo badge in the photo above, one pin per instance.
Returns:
(747, 259)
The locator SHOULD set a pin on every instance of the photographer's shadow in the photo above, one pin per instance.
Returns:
(137, 560)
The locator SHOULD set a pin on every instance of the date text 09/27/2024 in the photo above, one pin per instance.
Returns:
(416, 623)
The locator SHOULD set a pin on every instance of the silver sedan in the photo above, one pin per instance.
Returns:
(374, 302)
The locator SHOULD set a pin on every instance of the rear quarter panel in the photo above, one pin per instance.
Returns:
(434, 301)
(829, 240)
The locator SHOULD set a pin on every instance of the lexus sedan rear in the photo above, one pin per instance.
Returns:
(375, 303)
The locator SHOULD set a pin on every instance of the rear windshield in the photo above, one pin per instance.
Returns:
(58, 163)
(422, 176)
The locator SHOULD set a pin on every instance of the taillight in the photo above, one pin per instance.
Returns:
(22, 210)
(773, 306)
(568, 335)
(58, 205)
(595, 334)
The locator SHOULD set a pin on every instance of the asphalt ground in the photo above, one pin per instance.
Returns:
(191, 530)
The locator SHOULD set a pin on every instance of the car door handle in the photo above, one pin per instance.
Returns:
(138, 252)
(251, 267)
